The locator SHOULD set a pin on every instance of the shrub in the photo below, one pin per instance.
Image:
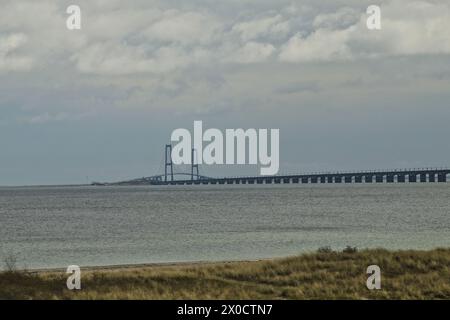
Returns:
(350, 249)
(10, 262)
(326, 249)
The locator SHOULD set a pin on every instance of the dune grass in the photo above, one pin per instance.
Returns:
(322, 275)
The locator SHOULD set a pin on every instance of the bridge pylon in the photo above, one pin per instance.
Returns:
(168, 162)
(194, 165)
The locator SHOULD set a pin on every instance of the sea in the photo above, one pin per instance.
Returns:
(54, 227)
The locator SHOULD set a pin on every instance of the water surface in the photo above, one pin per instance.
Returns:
(60, 226)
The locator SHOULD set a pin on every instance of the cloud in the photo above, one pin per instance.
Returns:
(423, 30)
(112, 59)
(322, 45)
(157, 54)
(253, 52)
(9, 59)
(186, 28)
(408, 28)
(341, 19)
(48, 117)
(296, 88)
(274, 26)
(158, 38)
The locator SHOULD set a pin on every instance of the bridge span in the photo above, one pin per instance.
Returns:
(416, 175)
(394, 176)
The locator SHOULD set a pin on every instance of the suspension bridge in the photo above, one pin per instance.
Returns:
(171, 177)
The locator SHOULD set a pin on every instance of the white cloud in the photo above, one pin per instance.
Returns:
(158, 38)
(253, 52)
(120, 59)
(185, 28)
(12, 42)
(341, 19)
(408, 28)
(422, 30)
(9, 59)
(322, 45)
(264, 27)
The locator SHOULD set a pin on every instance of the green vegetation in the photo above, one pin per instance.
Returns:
(322, 275)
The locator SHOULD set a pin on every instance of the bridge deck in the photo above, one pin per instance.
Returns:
(395, 176)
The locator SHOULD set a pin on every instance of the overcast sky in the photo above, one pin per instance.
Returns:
(101, 102)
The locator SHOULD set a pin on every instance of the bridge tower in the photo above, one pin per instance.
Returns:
(194, 165)
(168, 162)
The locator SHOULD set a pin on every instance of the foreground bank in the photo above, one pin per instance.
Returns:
(321, 275)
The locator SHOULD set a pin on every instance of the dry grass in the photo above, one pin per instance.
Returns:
(322, 275)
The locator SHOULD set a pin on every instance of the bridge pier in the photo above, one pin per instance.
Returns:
(401, 178)
(295, 180)
(314, 179)
(305, 180)
(329, 179)
(423, 177)
(368, 178)
(338, 179)
(379, 178)
(286, 181)
(431, 177)
(412, 178)
(348, 179)
(442, 177)
(390, 178)
(358, 179)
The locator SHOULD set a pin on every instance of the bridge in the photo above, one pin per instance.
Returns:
(416, 175)
(162, 179)
(392, 176)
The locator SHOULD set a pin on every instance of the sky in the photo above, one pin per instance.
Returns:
(98, 104)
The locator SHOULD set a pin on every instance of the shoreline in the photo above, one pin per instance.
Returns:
(148, 265)
(204, 263)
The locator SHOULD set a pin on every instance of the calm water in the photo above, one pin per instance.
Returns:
(56, 227)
